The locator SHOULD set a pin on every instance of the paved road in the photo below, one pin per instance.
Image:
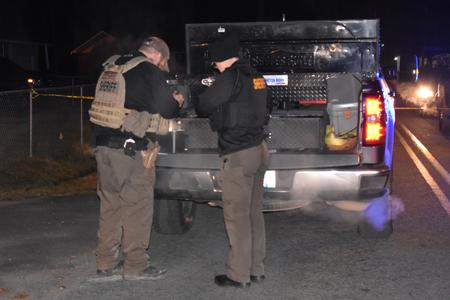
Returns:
(46, 245)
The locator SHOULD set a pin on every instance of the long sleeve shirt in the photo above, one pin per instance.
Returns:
(146, 90)
(227, 86)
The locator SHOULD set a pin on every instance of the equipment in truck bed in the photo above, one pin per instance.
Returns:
(296, 58)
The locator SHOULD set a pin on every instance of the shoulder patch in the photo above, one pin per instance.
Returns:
(259, 83)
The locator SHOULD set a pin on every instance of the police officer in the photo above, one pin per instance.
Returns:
(238, 104)
(131, 90)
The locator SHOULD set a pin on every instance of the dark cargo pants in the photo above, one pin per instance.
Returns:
(125, 189)
(243, 177)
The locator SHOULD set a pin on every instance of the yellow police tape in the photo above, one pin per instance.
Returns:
(419, 108)
(407, 108)
(35, 94)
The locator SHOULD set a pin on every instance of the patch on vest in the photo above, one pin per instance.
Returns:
(259, 83)
(109, 82)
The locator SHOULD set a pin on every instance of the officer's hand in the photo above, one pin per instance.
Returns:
(178, 97)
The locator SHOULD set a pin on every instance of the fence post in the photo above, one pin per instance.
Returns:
(73, 85)
(31, 122)
(81, 116)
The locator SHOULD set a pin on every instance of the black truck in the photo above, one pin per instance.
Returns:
(331, 131)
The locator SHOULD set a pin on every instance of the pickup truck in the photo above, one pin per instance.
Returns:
(331, 131)
(427, 89)
(433, 89)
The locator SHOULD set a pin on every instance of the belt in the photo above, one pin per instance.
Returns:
(117, 142)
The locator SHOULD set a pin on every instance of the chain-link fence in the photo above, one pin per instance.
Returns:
(46, 123)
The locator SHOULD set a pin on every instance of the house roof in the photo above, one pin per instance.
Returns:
(98, 39)
(3, 41)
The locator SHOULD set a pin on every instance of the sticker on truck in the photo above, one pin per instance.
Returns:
(276, 80)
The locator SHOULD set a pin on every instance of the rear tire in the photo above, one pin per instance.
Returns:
(367, 231)
(378, 211)
(173, 216)
(390, 180)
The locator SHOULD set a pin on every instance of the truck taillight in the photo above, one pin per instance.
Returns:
(374, 125)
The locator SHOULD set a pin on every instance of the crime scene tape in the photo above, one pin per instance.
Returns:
(407, 108)
(420, 108)
(35, 94)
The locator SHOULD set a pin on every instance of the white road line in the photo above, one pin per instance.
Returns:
(440, 195)
(428, 155)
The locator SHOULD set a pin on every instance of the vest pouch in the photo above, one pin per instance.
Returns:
(158, 124)
(164, 126)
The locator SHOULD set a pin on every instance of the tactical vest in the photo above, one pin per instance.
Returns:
(108, 108)
(249, 106)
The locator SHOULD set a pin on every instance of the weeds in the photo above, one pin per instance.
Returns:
(73, 171)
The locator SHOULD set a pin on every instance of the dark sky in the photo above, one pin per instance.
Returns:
(68, 23)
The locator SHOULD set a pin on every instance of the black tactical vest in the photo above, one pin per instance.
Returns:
(249, 105)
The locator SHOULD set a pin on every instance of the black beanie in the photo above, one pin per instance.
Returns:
(224, 47)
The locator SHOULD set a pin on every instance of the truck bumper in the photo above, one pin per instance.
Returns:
(285, 189)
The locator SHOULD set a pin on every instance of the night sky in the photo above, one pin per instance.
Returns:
(405, 25)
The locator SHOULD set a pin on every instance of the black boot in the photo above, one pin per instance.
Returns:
(151, 273)
(113, 274)
(224, 281)
(257, 278)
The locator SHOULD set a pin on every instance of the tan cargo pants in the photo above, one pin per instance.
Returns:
(125, 189)
(243, 177)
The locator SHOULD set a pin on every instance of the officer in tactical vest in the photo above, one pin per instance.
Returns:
(238, 106)
(132, 99)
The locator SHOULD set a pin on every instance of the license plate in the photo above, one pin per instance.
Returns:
(270, 180)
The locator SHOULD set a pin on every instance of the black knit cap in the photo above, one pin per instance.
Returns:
(224, 47)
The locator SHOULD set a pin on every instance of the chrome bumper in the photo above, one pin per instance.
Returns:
(291, 189)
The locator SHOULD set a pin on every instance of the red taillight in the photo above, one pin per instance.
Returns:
(374, 125)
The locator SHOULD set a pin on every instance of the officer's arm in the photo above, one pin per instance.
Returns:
(163, 99)
(215, 95)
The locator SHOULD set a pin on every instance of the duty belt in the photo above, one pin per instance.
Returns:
(118, 142)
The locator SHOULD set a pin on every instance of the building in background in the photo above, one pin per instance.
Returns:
(30, 56)
(91, 54)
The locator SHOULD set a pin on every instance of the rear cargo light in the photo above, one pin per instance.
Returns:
(374, 125)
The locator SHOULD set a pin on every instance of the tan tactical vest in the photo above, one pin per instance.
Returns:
(108, 109)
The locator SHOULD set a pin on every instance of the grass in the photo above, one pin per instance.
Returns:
(71, 173)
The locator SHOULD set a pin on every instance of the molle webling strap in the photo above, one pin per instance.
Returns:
(134, 62)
